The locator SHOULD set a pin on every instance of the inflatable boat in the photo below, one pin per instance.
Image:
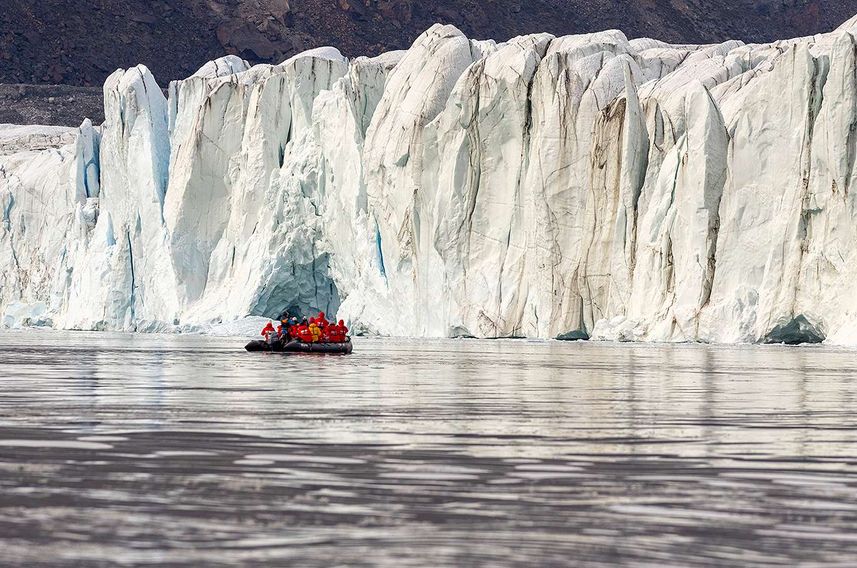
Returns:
(295, 346)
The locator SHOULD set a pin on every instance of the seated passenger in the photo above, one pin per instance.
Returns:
(321, 320)
(315, 331)
(268, 330)
(337, 332)
(304, 334)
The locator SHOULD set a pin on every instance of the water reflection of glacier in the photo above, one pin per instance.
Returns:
(424, 453)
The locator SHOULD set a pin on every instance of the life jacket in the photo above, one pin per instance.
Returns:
(304, 334)
(334, 333)
(315, 331)
(268, 331)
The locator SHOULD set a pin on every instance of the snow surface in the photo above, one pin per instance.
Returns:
(573, 187)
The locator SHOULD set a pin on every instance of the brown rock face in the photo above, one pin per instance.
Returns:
(59, 105)
(248, 41)
(79, 42)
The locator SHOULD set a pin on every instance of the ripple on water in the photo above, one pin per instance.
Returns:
(187, 450)
(57, 444)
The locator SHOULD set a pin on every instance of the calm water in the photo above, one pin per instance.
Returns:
(186, 450)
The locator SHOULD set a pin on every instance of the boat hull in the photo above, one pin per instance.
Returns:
(343, 348)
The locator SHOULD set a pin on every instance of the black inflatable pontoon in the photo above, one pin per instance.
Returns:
(295, 346)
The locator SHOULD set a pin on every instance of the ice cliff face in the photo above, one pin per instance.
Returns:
(573, 187)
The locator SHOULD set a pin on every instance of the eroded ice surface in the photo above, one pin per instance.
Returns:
(581, 186)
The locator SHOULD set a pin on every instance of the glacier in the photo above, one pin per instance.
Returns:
(579, 187)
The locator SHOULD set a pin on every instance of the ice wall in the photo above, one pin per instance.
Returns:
(573, 187)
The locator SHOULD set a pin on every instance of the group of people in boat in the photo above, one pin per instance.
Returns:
(312, 330)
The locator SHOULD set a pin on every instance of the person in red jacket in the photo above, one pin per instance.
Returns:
(268, 329)
(269, 333)
(337, 332)
(343, 331)
(304, 334)
(319, 323)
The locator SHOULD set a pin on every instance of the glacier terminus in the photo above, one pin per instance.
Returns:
(578, 187)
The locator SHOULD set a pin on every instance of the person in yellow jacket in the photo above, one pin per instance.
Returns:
(315, 331)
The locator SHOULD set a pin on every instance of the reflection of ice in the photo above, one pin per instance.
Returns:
(56, 444)
(189, 445)
(489, 397)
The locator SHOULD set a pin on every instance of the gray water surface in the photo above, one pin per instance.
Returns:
(180, 450)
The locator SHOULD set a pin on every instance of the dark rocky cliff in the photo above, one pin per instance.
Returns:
(80, 42)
